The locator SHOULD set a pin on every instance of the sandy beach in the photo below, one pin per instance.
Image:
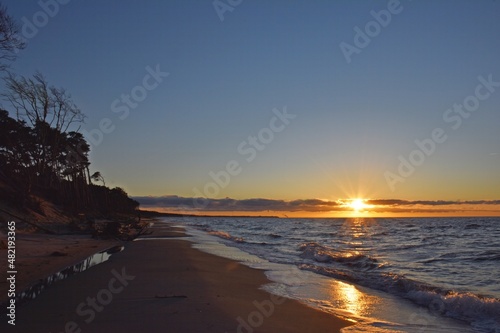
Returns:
(40, 255)
(162, 284)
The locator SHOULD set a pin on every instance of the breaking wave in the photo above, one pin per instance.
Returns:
(481, 312)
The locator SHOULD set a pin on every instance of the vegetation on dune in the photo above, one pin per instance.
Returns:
(44, 161)
(42, 153)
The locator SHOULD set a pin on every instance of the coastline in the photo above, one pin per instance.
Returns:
(304, 266)
(167, 284)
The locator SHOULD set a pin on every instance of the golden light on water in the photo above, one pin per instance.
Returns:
(349, 298)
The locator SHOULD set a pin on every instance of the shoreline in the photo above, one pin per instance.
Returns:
(374, 302)
(168, 284)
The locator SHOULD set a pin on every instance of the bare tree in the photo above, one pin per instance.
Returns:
(49, 112)
(10, 40)
(36, 102)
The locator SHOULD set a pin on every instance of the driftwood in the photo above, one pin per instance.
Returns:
(110, 229)
(119, 230)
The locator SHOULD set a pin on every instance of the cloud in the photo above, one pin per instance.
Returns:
(397, 202)
(198, 204)
(251, 205)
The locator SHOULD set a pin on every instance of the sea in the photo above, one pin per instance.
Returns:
(382, 274)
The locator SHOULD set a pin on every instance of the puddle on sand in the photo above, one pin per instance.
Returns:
(95, 259)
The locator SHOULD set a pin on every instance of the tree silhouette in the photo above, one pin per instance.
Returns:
(65, 179)
(42, 151)
(37, 102)
(10, 40)
(97, 177)
(50, 112)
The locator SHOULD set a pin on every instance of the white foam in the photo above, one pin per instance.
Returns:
(371, 310)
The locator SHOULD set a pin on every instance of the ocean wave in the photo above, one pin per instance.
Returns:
(409, 246)
(382, 233)
(322, 254)
(226, 235)
(446, 257)
(256, 243)
(201, 226)
(466, 261)
(481, 312)
(488, 255)
(472, 226)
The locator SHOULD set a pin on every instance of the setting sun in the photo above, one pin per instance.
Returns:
(358, 205)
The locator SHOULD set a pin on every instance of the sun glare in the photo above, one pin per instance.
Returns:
(358, 205)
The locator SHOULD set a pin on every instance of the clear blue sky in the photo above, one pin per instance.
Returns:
(353, 120)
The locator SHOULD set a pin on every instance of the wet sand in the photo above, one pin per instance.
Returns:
(162, 284)
(40, 255)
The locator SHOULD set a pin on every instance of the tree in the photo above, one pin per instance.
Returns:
(75, 162)
(10, 40)
(16, 146)
(29, 161)
(97, 177)
(50, 112)
(34, 102)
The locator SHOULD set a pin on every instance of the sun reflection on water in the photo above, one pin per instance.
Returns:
(349, 298)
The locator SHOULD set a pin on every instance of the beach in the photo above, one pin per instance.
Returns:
(40, 255)
(387, 275)
(250, 166)
(159, 284)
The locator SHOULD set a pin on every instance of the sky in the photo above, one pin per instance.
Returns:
(281, 107)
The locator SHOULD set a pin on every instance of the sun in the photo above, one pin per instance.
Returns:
(358, 205)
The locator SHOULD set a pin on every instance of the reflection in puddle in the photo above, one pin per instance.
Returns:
(95, 259)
